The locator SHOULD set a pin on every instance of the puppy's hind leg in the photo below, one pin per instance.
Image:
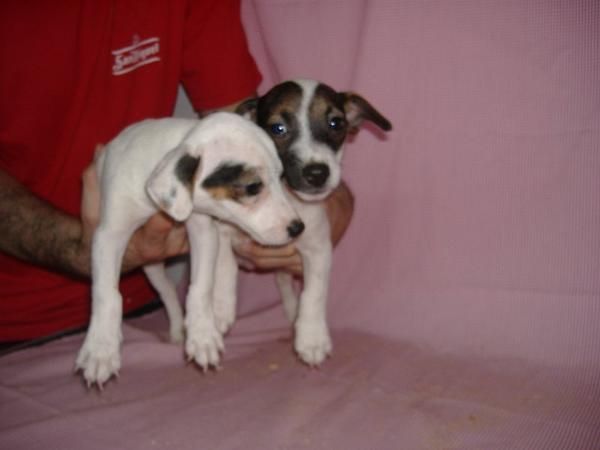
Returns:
(157, 275)
(285, 284)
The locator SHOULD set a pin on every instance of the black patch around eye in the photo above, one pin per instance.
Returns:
(278, 129)
(327, 119)
(331, 132)
(186, 168)
(287, 92)
(330, 95)
(292, 169)
(337, 123)
(254, 189)
(224, 175)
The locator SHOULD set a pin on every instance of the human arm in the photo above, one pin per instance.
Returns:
(34, 231)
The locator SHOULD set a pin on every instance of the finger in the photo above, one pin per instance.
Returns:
(158, 225)
(252, 250)
(89, 178)
(274, 263)
(99, 148)
(293, 269)
(177, 242)
(245, 264)
(156, 240)
(90, 201)
(296, 269)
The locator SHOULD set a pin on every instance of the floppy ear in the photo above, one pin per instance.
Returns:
(358, 109)
(170, 184)
(247, 109)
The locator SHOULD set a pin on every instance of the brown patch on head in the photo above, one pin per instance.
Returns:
(281, 101)
(220, 192)
(277, 113)
(327, 118)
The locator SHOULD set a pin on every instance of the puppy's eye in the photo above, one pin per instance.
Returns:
(337, 123)
(254, 189)
(278, 129)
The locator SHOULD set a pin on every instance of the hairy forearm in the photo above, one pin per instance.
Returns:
(36, 232)
(340, 206)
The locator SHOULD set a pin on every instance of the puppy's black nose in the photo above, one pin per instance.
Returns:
(316, 174)
(295, 228)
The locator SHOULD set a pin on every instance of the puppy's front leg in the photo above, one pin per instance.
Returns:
(203, 340)
(225, 288)
(312, 341)
(99, 357)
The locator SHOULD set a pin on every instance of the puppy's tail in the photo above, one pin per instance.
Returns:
(285, 284)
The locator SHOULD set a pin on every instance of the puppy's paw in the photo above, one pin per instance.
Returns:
(204, 344)
(176, 333)
(99, 359)
(312, 343)
(224, 313)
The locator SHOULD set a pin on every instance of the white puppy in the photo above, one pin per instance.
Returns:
(223, 166)
(309, 122)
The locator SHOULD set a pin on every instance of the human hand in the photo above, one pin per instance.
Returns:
(158, 239)
(253, 256)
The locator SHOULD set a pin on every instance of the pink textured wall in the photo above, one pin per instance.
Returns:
(477, 224)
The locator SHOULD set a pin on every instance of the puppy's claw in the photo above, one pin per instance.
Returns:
(313, 345)
(314, 359)
(204, 345)
(98, 361)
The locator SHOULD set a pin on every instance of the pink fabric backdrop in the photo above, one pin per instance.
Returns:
(465, 299)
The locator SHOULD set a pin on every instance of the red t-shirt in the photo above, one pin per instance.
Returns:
(73, 74)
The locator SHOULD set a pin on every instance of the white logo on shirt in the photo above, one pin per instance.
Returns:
(136, 55)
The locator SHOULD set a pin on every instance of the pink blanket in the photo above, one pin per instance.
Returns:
(465, 298)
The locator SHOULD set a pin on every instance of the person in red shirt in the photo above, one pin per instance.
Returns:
(73, 75)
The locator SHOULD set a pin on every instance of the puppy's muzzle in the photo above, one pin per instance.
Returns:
(295, 228)
(316, 174)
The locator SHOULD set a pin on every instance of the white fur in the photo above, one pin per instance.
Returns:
(312, 340)
(308, 149)
(308, 312)
(137, 176)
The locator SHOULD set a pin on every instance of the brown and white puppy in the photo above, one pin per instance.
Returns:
(309, 123)
(222, 167)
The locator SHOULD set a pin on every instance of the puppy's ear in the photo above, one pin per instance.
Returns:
(358, 109)
(247, 109)
(170, 184)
